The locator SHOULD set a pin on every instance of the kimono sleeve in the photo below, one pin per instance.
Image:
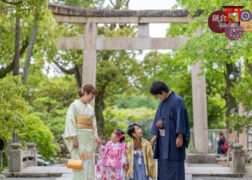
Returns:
(150, 162)
(99, 166)
(129, 159)
(128, 152)
(102, 151)
(123, 161)
(95, 126)
(124, 156)
(182, 122)
(70, 124)
(154, 129)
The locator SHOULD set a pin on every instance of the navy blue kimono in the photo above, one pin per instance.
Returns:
(175, 120)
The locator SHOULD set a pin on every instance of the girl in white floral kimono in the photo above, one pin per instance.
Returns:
(81, 132)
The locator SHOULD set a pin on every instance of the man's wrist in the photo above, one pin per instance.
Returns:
(180, 135)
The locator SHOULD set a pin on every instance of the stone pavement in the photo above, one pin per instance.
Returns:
(41, 171)
(212, 170)
(193, 172)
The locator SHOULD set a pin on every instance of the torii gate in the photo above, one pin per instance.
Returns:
(90, 42)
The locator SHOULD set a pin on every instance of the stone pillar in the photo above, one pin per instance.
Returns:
(200, 127)
(32, 148)
(238, 158)
(89, 61)
(15, 157)
(143, 30)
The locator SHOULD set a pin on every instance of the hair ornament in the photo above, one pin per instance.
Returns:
(121, 136)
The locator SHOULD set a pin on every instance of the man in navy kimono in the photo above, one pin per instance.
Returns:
(171, 132)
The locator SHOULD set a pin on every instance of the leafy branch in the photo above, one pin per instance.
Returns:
(67, 71)
(13, 3)
(214, 86)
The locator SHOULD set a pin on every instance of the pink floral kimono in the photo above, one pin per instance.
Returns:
(111, 161)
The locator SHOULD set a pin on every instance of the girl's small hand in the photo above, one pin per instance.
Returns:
(98, 141)
(153, 141)
(126, 167)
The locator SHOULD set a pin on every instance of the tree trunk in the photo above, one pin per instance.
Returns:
(17, 48)
(10, 67)
(78, 74)
(99, 107)
(29, 52)
(15, 136)
(230, 100)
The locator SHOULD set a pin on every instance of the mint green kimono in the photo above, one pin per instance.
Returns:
(86, 139)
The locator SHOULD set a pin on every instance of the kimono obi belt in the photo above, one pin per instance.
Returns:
(84, 122)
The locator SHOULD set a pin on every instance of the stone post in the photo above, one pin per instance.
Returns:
(89, 61)
(200, 127)
(32, 148)
(143, 30)
(238, 158)
(15, 157)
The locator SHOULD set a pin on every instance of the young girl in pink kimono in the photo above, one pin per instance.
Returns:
(112, 160)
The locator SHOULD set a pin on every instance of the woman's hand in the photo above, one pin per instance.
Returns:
(75, 142)
(98, 141)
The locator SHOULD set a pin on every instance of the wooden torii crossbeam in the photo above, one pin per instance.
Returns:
(90, 42)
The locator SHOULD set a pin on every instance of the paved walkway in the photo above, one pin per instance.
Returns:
(193, 172)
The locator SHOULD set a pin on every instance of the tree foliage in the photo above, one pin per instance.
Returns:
(14, 108)
(116, 118)
(218, 61)
(36, 131)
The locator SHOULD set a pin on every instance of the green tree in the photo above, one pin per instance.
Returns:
(218, 61)
(14, 11)
(15, 115)
(14, 108)
(116, 118)
(36, 131)
(50, 99)
(136, 101)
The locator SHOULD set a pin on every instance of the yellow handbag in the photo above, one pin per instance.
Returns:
(74, 164)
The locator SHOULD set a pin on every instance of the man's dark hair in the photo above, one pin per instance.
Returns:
(221, 134)
(157, 87)
(131, 129)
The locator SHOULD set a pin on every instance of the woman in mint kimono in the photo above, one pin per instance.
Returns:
(81, 132)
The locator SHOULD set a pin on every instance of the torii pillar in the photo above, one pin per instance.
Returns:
(89, 61)
(200, 126)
